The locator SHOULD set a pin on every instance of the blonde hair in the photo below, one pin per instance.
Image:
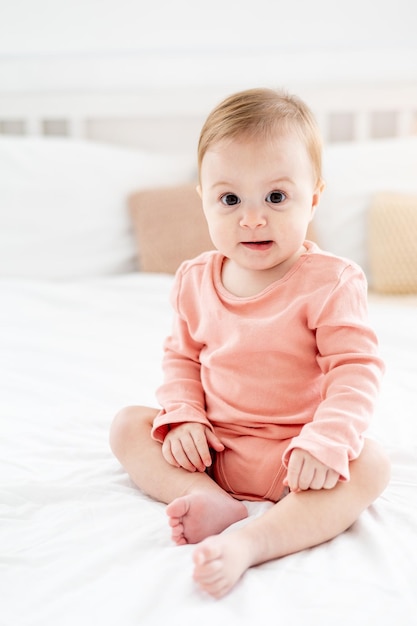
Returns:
(257, 113)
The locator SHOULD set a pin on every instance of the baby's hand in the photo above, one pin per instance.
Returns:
(306, 472)
(188, 445)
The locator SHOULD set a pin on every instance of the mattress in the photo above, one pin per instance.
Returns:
(81, 545)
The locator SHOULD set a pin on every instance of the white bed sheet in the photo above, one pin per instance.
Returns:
(80, 545)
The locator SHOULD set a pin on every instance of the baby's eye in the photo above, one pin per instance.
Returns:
(230, 199)
(275, 197)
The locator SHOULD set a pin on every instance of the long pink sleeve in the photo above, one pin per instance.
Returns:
(347, 357)
(298, 361)
(182, 394)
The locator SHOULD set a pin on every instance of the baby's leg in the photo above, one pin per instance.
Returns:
(198, 506)
(299, 521)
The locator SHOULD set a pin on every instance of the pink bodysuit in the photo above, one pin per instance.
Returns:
(295, 366)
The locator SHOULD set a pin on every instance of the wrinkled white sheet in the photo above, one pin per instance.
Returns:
(80, 545)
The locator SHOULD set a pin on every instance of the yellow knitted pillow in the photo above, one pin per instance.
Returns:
(393, 243)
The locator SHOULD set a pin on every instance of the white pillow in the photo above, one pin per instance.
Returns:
(354, 172)
(63, 205)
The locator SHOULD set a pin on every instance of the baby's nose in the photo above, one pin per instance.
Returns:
(253, 218)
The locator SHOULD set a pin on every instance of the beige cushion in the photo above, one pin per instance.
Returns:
(169, 227)
(393, 243)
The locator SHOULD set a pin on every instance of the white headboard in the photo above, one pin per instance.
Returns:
(170, 119)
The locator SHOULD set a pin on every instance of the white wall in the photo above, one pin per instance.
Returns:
(85, 44)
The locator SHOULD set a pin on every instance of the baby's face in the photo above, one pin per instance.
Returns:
(258, 199)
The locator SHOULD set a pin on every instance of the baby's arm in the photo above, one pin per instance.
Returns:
(347, 354)
(181, 394)
(188, 445)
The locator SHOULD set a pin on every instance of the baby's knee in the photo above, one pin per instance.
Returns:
(128, 424)
(375, 467)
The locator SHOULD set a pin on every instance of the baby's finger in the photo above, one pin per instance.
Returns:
(332, 479)
(167, 454)
(196, 448)
(319, 479)
(184, 452)
(286, 484)
(213, 440)
(295, 466)
(306, 477)
(202, 448)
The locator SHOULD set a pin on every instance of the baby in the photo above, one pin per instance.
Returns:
(271, 370)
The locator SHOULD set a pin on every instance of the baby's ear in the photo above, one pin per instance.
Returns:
(198, 189)
(317, 195)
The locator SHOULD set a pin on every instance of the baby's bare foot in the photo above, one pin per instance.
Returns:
(220, 561)
(198, 515)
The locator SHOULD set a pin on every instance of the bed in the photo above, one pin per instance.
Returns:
(88, 249)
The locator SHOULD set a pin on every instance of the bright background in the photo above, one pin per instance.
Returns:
(102, 44)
